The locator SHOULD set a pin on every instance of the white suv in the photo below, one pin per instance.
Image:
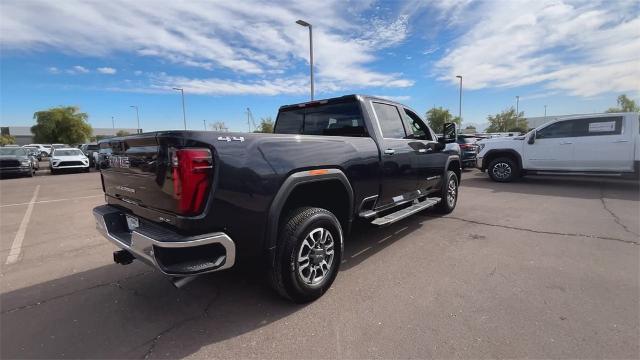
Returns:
(597, 144)
(68, 158)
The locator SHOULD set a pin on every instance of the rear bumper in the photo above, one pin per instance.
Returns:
(171, 253)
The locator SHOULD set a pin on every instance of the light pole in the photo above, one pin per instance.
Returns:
(204, 123)
(304, 23)
(517, 106)
(113, 123)
(545, 112)
(460, 104)
(137, 117)
(184, 114)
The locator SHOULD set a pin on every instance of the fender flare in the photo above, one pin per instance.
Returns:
(287, 187)
(496, 152)
(449, 160)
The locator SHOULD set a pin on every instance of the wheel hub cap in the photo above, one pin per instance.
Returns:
(315, 256)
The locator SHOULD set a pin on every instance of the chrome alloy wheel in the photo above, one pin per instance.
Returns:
(501, 170)
(452, 192)
(315, 256)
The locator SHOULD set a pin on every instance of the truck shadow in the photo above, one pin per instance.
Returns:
(134, 312)
(562, 186)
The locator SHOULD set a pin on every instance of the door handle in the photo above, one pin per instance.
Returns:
(389, 152)
(566, 143)
(621, 141)
(422, 150)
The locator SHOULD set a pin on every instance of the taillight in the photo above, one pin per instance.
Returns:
(191, 178)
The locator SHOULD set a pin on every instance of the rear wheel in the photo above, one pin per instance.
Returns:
(503, 169)
(308, 254)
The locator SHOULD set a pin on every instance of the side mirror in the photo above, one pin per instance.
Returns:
(449, 133)
(532, 138)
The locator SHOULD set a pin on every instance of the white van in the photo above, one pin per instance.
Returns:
(596, 144)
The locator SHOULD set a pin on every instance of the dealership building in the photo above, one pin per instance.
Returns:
(23, 134)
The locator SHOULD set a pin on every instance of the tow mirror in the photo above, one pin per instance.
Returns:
(448, 133)
(532, 137)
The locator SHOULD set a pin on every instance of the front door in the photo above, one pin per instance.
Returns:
(552, 149)
(398, 180)
(427, 161)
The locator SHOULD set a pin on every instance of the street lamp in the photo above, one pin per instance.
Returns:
(113, 124)
(306, 24)
(184, 114)
(517, 106)
(460, 104)
(545, 112)
(204, 123)
(137, 117)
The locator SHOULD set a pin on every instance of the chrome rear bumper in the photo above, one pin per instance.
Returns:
(171, 253)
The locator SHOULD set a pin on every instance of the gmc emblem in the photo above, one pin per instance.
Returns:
(116, 161)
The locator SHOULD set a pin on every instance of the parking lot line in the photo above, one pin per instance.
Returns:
(16, 246)
(54, 200)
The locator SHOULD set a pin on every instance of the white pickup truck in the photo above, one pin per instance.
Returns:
(595, 144)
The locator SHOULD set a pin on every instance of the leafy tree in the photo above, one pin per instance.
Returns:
(219, 126)
(7, 140)
(65, 124)
(625, 105)
(265, 126)
(470, 129)
(436, 117)
(122, 133)
(507, 121)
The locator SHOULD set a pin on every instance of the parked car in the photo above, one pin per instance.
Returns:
(16, 161)
(68, 159)
(597, 144)
(34, 151)
(44, 150)
(89, 151)
(468, 150)
(193, 202)
(101, 157)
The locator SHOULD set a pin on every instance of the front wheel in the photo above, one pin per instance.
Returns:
(308, 254)
(503, 169)
(449, 193)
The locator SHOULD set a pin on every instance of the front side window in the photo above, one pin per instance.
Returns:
(390, 121)
(560, 129)
(416, 128)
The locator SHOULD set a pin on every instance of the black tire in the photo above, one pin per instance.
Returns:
(300, 227)
(448, 193)
(53, 172)
(503, 169)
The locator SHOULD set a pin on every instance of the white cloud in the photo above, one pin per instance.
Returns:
(107, 70)
(252, 39)
(581, 48)
(77, 70)
(53, 70)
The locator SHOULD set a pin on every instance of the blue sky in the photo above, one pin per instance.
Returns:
(103, 56)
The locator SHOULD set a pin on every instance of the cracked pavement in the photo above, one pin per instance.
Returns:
(545, 267)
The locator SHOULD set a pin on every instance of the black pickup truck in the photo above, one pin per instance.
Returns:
(193, 202)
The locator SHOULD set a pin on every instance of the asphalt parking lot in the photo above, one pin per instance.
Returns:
(542, 268)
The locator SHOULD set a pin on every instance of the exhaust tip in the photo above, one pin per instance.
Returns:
(179, 282)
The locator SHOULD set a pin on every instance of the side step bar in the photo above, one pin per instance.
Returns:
(401, 214)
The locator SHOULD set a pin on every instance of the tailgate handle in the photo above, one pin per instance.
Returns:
(389, 152)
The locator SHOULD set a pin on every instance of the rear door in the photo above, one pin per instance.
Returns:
(553, 148)
(603, 144)
(398, 178)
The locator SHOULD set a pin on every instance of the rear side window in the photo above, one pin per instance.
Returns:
(342, 119)
(390, 121)
(598, 126)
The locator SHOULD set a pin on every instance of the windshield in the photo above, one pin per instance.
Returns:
(13, 151)
(71, 152)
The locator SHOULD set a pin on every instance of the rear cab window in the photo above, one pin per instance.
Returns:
(335, 119)
(389, 120)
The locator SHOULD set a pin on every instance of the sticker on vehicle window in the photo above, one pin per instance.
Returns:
(602, 126)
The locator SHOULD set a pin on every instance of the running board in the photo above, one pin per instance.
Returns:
(401, 214)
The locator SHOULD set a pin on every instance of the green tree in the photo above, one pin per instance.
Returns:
(470, 129)
(507, 121)
(219, 126)
(625, 105)
(65, 124)
(122, 133)
(437, 116)
(7, 140)
(265, 126)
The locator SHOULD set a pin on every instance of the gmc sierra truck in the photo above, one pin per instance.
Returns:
(193, 202)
